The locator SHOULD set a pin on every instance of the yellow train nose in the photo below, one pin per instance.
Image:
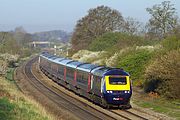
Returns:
(117, 83)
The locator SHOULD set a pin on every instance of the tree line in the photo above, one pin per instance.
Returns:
(163, 22)
(149, 52)
(14, 42)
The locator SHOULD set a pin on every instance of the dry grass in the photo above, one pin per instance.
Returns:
(25, 107)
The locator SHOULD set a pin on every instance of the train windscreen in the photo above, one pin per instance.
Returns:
(117, 80)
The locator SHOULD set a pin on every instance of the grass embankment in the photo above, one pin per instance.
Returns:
(14, 105)
(170, 108)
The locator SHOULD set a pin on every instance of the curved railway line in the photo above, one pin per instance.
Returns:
(64, 99)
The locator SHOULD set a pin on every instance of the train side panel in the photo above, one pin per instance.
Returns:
(82, 82)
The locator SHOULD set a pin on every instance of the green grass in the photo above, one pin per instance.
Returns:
(6, 109)
(24, 110)
(9, 74)
(16, 106)
(170, 108)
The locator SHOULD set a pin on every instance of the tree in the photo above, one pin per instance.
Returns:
(163, 19)
(21, 36)
(9, 44)
(98, 21)
(132, 26)
(3, 36)
(19, 29)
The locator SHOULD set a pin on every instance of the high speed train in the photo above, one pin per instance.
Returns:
(103, 85)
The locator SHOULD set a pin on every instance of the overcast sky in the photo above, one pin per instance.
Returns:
(44, 15)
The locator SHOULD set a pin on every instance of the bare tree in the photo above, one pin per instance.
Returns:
(163, 19)
(132, 26)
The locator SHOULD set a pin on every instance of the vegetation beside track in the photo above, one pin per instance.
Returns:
(161, 105)
(14, 105)
(150, 53)
(152, 61)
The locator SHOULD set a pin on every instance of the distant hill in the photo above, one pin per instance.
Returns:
(55, 35)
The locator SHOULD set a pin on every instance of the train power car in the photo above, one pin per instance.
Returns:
(103, 85)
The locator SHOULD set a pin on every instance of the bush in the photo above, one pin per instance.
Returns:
(7, 60)
(26, 52)
(3, 67)
(90, 57)
(135, 63)
(163, 77)
(171, 43)
(114, 41)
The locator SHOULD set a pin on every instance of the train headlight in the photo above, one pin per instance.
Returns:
(126, 91)
(109, 91)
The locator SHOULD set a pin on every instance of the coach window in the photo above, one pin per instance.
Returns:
(70, 73)
(61, 70)
(78, 76)
(85, 80)
(82, 78)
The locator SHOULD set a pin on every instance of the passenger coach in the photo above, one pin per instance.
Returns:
(103, 85)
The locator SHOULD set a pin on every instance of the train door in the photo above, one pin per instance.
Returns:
(89, 82)
(75, 76)
(102, 84)
(64, 73)
(92, 79)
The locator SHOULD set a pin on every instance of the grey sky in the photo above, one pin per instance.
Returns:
(44, 15)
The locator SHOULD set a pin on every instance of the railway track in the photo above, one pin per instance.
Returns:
(128, 115)
(79, 109)
(83, 110)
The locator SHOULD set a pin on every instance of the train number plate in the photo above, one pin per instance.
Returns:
(117, 98)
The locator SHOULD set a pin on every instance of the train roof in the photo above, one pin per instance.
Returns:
(53, 57)
(45, 55)
(50, 56)
(116, 71)
(100, 70)
(57, 60)
(109, 71)
(74, 64)
(64, 61)
(87, 67)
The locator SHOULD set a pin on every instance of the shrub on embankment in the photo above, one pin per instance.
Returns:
(146, 61)
(135, 63)
(114, 41)
(162, 75)
(7, 60)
